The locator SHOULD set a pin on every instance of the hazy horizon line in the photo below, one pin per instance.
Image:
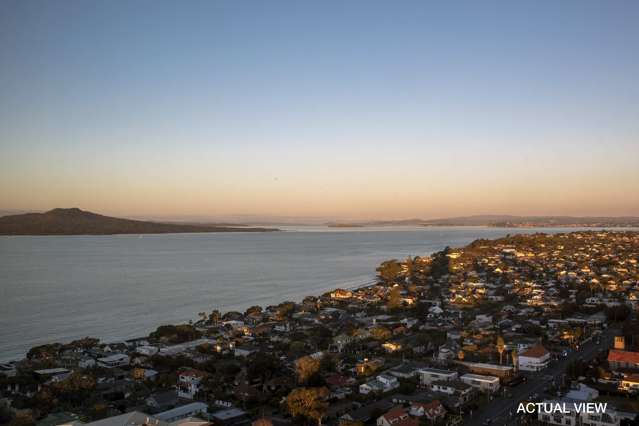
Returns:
(253, 218)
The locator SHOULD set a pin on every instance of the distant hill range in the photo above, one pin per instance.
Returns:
(504, 221)
(79, 222)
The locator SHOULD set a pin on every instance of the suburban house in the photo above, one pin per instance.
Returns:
(454, 387)
(53, 375)
(189, 383)
(432, 411)
(230, 417)
(189, 410)
(482, 383)
(392, 346)
(133, 418)
(570, 417)
(369, 366)
(534, 359)
(114, 361)
(404, 371)
(147, 350)
(501, 371)
(623, 359)
(398, 416)
(430, 375)
(162, 400)
(341, 341)
(630, 383)
(341, 294)
(382, 383)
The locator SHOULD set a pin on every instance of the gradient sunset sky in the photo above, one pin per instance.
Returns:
(351, 109)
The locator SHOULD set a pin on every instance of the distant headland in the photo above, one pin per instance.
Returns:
(503, 221)
(74, 221)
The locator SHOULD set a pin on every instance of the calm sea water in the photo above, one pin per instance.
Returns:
(115, 287)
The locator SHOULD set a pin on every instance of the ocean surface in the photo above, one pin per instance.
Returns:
(59, 288)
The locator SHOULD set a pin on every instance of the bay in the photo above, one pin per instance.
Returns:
(59, 288)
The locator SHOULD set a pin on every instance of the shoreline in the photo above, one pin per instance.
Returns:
(229, 308)
(367, 284)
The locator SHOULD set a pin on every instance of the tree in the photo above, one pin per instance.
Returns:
(71, 392)
(440, 265)
(262, 366)
(6, 414)
(176, 333)
(285, 309)
(395, 298)
(617, 313)
(501, 346)
(380, 333)
(328, 364)
(306, 367)
(389, 271)
(22, 419)
(308, 402)
(577, 333)
(253, 310)
(215, 317)
(297, 347)
(410, 268)
(45, 351)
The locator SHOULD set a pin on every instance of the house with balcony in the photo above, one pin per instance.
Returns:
(189, 383)
(534, 359)
(488, 384)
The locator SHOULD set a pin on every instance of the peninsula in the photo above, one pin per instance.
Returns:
(505, 221)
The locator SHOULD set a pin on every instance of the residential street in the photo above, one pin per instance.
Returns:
(499, 411)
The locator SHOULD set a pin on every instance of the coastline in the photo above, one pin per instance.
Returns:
(367, 284)
(296, 291)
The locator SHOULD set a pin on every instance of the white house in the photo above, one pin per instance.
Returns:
(189, 383)
(113, 361)
(432, 411)
(147, 350)
(481, 382)
(534, 359)
(430, 375)
(569, 416)
(86, 362)
(382, 383)
(454, 387)
(435, 310)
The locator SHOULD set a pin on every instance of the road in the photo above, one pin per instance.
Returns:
(499, 410)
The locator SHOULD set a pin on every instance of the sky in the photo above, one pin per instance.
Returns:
(341, 109)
